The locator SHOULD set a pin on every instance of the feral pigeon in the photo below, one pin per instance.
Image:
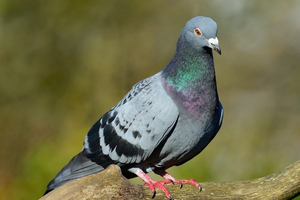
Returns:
(164, 120)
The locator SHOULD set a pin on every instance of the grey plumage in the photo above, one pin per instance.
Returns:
(165, 120)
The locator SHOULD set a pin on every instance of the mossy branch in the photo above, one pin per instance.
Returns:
(110, 184)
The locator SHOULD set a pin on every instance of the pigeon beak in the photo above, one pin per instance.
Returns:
(214, 44)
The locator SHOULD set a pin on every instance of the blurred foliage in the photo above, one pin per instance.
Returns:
(64, 63)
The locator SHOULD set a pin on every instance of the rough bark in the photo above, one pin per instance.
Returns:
(110, 184)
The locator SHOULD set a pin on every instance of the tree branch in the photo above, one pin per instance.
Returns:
(111, 184)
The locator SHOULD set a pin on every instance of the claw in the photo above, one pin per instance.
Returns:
(180, 185)
(172, 181)
(153, 194)
(199, 187)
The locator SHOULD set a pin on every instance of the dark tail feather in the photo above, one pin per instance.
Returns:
(78, 167)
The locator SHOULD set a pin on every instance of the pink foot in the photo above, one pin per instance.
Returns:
(152, 184)
(170, 179)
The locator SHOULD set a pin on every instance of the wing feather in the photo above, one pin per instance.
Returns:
(131, 130)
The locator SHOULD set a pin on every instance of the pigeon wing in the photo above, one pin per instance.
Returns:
(131, 130)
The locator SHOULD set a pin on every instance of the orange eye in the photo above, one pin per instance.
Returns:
(197, 31)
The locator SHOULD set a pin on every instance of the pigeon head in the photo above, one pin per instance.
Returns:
(198, 34)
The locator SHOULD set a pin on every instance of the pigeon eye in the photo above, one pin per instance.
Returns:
(197, 31)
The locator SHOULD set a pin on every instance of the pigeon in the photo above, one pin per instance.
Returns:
(163, 121)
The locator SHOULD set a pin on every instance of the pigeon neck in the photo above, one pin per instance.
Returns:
(190, 72)
(190, 80)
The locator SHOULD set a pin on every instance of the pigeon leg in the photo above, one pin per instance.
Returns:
(152, 184)
(170, 179)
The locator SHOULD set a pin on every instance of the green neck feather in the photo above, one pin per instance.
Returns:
(189, 72)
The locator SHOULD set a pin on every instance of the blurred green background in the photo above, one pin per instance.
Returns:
(63, 64)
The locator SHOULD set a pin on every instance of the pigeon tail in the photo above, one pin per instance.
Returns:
(79, 166)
